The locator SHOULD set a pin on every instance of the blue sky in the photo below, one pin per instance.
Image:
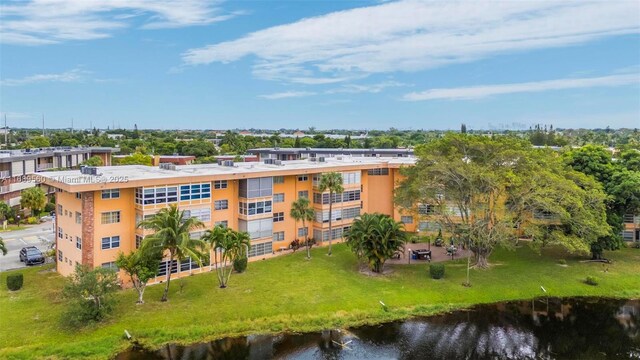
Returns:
(328, 64)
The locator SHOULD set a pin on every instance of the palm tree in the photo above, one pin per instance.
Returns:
(171, 233)
(33, 199)
(228, 245)
(301, 211)
(376, 238)
(3, 247)
(333, 182)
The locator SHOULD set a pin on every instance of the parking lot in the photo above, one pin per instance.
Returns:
(39, 236)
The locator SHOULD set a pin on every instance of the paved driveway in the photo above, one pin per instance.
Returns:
(36, 235)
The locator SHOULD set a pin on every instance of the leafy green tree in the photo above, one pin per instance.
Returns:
(5, 210)
(90, 294)
(481, 188)
(301, 210)
(3, 247)
(331, 182)
(141, 267)
(631, 159)
(620, 183)
(171, 234)
(34, 199)
(376, 238)
(135, 159)
(93, 161)
(36, 142)
(228, 245)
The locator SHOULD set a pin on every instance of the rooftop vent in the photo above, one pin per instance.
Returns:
(167, 166)
(321, 159)
(89, 170)
(227, 163)
(277, 162)
(269, 161)
(313, 159)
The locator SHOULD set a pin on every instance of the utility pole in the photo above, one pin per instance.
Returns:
(42, 125)
(71, 126)
(6, 131)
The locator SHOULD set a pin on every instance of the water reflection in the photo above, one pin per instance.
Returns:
(543, 329)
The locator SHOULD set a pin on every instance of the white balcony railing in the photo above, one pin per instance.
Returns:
(5, 174)
(45, 166)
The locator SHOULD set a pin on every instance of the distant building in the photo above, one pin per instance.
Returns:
(304, 153)
(173, 159)
(245, 158)
(115, 136)
(15, 164)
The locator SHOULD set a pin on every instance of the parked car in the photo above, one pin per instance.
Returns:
(31, 255)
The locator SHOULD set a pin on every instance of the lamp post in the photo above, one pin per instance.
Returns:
(409, 257)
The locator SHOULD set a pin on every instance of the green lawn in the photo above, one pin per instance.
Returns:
(291, 294)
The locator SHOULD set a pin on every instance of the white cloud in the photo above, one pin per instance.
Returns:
(366, 88)
(287, 94)
(39, 22)
(412, 35)
(74, 75)
(477, 92)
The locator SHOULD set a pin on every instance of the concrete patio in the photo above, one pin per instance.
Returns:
(438, 254)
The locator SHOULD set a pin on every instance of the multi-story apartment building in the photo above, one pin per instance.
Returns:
(14, 164)
(631, 231)
(97, 214)
(304, 153)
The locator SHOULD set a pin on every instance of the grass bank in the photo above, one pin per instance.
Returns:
(291, 294)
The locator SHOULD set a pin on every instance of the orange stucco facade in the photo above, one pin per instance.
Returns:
(109, 212)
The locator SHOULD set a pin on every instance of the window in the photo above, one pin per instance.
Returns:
(278, 236)
(66, 212)
(111, 194)
(278, 179)
(429, 226)
(303, 178)
(378, 172)
(303, 194)
(157, 195)
(195, 191)
(278, 217)
(202, 214)
(220, 184)
(320, 235)
(111, 265)
(406, 219)
(110, 217)
(164, 267)
(138, 241)
(278, 198)
(353, 195)
(253, 188)
(351, 213)
(627, 235)
(349, 178)
(78, 218)
(60, 232)
(426, 209)
(261, 249)
(79, 196)
(110, 242)
(221, 204)
(59, 255)
(188, 265)
(78, 243)
(255, 208)
(260, 228)
(223, 223)
(303, 231)
(60, 212)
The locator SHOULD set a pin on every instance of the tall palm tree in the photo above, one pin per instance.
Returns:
(171, 233)
(376, 238)
(228, 245)
(333, 182)
(3, 247)
(301, 211)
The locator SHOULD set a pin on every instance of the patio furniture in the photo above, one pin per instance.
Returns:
(421, 254)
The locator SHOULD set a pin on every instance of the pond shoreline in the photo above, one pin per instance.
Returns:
(419, 315)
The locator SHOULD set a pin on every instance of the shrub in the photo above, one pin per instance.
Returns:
(240, 264)
(562, 262)
(591, 280)
(636, 245)
(436, 271)
(32, 220)
(15, 281)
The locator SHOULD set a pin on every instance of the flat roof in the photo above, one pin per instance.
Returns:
(329, 151)
(26, 154)
(128, 176)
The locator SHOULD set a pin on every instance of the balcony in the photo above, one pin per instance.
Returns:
(45, 166)
(5, 174)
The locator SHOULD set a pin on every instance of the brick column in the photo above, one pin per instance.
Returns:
(87, 228)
